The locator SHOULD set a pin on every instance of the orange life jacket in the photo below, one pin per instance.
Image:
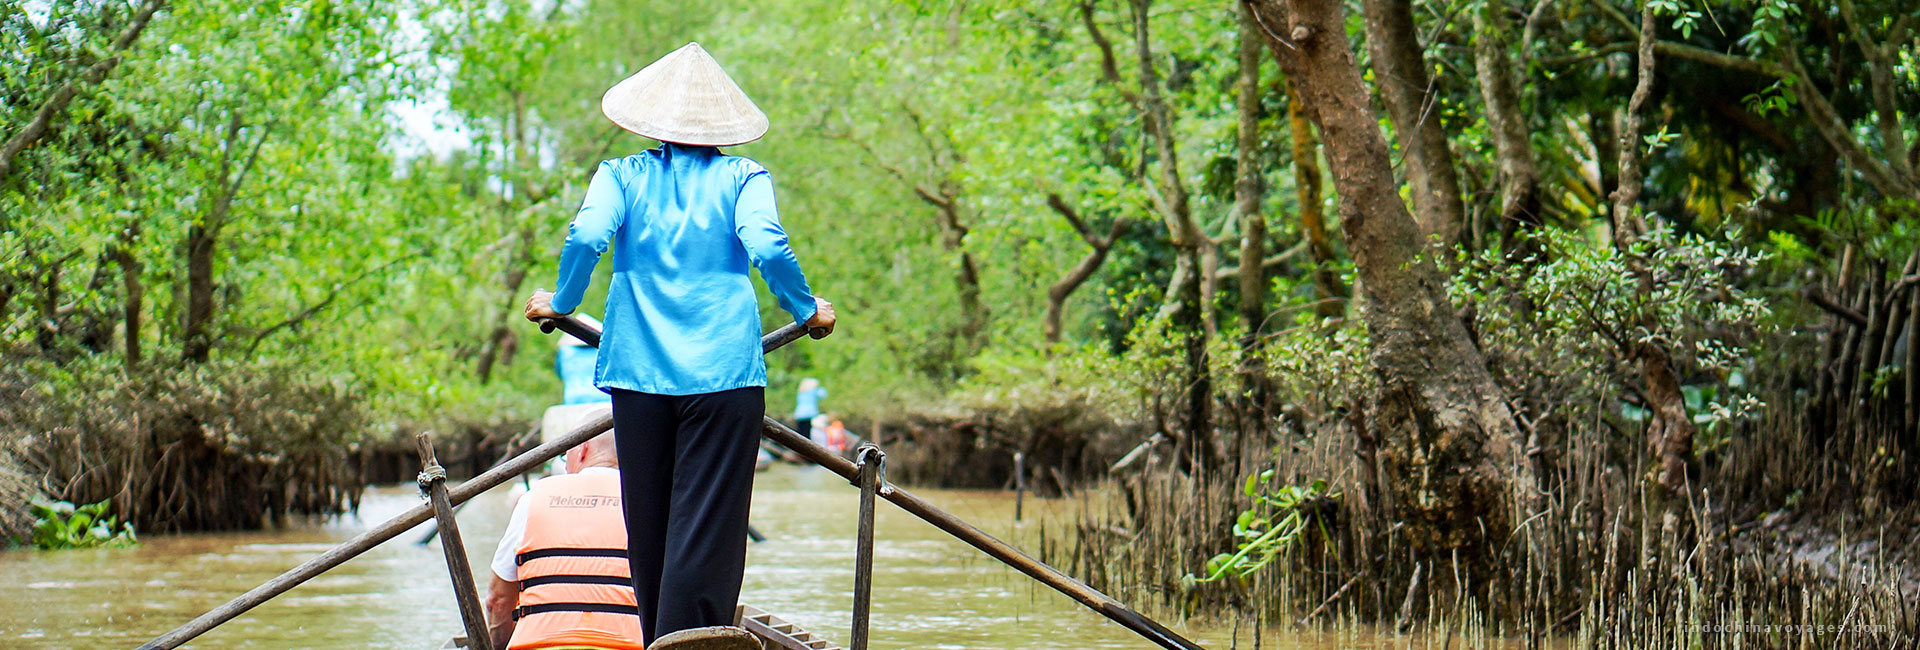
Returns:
(575, 589)
(837, 436)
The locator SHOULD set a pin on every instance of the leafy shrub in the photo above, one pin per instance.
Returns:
(1557, 330)
(61, 525)
(1273, 525)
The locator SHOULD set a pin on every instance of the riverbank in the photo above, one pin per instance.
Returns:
(229, 445)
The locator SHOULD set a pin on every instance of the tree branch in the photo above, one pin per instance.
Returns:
(1271, 261)
(940, 200)
(1073, 218)
(1881, 80)
(1822, 301)
(1628, 224)
(266, 129)
(1690, 52)
(314, 309)
(42, 121)
(1827, 121)
(1109, 64)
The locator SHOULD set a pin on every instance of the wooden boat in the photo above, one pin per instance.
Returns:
(775, 633)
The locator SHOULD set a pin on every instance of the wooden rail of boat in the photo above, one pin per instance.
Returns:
(775, 633)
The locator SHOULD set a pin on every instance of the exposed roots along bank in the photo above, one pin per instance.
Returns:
(1779, 529)
(203, 448)
(1060, 443)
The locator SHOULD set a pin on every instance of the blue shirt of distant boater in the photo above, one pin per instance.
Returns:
(681, 316)
(806, 403)
(576, 366)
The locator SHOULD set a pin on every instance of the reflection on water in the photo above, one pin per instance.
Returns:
(930, 590)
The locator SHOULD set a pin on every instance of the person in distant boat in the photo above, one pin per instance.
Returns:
(681, 350)
(580, 401)
(560, 576)
(575, 363)
(833, 435)
(806, 406)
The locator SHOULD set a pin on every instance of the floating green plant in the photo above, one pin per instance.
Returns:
(62, 525)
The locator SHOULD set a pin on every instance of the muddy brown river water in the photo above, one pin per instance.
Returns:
(930, 591)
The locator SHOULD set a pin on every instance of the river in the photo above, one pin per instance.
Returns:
(930, 591)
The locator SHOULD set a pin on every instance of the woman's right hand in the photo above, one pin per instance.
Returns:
(821, 324)
(540, 305)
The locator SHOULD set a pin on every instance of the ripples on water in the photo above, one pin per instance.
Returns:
(930, 591)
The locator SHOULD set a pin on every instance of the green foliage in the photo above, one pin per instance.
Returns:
(1276, 523)
(60, 525)
(1564, 329)
(379, 266)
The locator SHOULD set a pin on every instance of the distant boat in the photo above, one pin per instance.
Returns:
(775, 633)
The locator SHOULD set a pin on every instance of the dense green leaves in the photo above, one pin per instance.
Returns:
(265, 159)
(61, 525)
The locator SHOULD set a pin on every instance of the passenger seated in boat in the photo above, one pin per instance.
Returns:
(560, 575)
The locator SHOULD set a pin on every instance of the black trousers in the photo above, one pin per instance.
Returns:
(804, 427)
(686, 472)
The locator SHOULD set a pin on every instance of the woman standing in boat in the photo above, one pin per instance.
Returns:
(681, 351)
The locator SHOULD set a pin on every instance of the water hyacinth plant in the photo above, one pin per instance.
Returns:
(61, 525)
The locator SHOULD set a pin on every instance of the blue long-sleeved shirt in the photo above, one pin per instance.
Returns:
(684, 223)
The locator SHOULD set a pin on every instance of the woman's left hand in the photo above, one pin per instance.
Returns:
(540, 305)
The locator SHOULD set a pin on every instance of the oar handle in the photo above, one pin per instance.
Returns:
(575, 327)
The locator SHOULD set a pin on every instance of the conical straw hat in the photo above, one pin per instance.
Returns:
(685, 98)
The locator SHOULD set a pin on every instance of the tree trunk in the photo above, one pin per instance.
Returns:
(1913, 369)
(501, 343)
(1058, 292)
(1249, 191)
(1186, 236)
(953, 237)
(46, 332)
(7, 289)
(1411, 102)
(1896, 302)
(1506, 119)
(1447, 438)
(1313, 221)
(1209, 277)
(203, 240)
(136, 292)
(1196, 446)
(1606, 158)
(96, 327)
(1669, 427)
(1248, 188)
